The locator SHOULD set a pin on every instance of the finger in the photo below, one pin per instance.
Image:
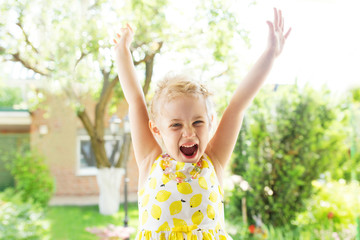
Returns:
(287, 34)
(114, 40)
(283, 24)
(128, 25)
(271, 27)
(124, 30)
(276, 18)
(280, 20)
(118, 35)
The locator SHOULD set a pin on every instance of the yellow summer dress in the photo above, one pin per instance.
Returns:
(181, 201)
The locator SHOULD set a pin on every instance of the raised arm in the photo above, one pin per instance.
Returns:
(144, 144)
(223, 142)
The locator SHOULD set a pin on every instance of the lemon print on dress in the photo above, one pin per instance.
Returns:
(141, 192)
(152, 183)
(163, 227)
(203, 183)
(197, 217)
(144, 217)
(195, 200)
(162, 195)
(213, 196)
(156, 212)
(145, 200)
(222, 237)
(207, 236)
(165, 179)
(194, 173)
(184, 188)
(176, 207)
(221, 192)
(221, 210)
(180, 175)
(217, 228)
(210, 212)
(212, 178)
(179, 222)
(153, 167)
(205, 164)
(179, 165)
(162, 236)
(164, 164)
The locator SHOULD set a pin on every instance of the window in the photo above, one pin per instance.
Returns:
(86, 158)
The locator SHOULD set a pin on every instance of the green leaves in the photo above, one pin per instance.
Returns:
(32, 177)
(295, 135)
(21, 219)
(10, 97)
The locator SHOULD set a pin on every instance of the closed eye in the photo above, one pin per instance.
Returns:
(199, 122)
(175, 125)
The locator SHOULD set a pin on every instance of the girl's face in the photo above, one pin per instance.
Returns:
(183, 126)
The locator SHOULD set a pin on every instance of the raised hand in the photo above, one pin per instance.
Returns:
(277, 38)
(124, 38)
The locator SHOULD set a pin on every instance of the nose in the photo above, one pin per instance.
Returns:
(188, 132)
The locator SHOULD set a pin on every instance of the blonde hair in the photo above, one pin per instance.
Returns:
(176, 85)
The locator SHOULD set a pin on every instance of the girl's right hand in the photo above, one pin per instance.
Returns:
(124, 38)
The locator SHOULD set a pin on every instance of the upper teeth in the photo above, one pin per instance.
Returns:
(188, 146)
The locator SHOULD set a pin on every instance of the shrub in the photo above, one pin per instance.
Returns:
(10, 96)
(32, 177)
(289, 137)
(21, 220)
(335, 207)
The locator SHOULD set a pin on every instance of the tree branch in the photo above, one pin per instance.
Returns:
(27, 37)
(17, 58)
(84, 117)
(80, 58)
(220, 74)
(105, 96)
(149, 67)
(148, 56)
(124, 154)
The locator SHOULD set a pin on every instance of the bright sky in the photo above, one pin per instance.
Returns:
(323, 47)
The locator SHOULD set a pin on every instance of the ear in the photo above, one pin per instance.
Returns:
(154, 129)
(212, 125)
(212, 121)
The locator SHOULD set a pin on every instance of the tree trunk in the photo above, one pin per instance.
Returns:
(109, 178)
(109, 181)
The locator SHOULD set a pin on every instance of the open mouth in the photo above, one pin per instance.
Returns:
(190, 150)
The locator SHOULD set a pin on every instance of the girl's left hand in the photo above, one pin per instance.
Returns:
(277, 39)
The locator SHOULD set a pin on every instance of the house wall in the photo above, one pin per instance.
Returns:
(59, 146)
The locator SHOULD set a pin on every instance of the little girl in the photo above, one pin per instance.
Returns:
(181, 164)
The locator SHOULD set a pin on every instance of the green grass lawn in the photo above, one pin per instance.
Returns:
(69, 222)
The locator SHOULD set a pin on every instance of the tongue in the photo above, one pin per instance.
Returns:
(188, 151)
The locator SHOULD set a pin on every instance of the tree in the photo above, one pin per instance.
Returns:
(67, 44)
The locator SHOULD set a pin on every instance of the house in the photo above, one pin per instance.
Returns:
(57, 134)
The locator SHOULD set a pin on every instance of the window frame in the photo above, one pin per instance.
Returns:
(91, 171)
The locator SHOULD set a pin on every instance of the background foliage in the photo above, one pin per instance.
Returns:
(67, 46)
(20, 220)
(32, 177)
(289, 137)
(10, 96)
(335, 206)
